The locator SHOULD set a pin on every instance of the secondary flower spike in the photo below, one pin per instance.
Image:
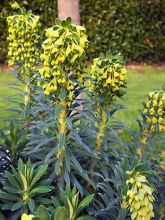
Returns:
(154, 111)
(108, 77)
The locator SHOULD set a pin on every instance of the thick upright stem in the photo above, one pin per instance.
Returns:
(62, 117)
(101, 131)
(62, 133)
(26, 83)
(27, 93)
(100, 135)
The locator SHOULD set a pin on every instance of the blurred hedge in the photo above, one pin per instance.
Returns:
(136, 28)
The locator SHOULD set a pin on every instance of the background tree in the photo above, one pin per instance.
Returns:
(69, 8)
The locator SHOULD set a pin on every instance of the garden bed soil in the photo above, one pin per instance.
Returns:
(132, 66)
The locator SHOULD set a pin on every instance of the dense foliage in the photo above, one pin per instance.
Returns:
(132, 27)
(61, 157)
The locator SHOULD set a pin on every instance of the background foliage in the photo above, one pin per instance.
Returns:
(134, 28)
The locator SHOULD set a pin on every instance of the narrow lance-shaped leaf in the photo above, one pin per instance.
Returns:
(85, 202)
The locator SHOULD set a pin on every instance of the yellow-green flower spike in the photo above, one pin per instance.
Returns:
(23, 38)
(108, 76)
(154, 112)
(153, 118)
(139, 198)
(63, 57)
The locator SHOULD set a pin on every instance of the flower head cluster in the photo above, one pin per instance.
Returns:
(23, 39)
(63, 53)
(109, 76)
(154, 111)
(139, 198)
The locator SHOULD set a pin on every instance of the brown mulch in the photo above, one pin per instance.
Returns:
(132, 66)
(5, 68)
(141, 67)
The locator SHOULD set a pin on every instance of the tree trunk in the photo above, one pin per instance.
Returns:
(69, 8)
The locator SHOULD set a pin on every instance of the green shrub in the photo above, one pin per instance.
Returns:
(135, 28)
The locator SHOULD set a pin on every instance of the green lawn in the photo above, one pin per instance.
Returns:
(139, 84)
(6, 79)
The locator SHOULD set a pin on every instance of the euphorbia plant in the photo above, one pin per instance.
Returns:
(77, 144)
(108, 80)
(63, 57)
